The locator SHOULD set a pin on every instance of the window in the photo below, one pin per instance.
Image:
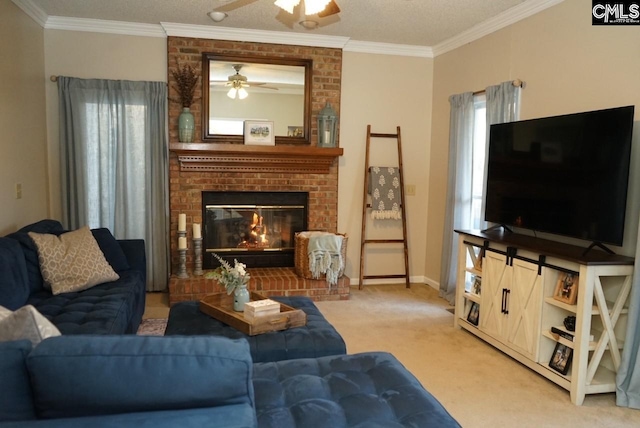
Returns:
(478, 160)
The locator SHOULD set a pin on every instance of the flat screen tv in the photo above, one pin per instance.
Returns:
(566, 175)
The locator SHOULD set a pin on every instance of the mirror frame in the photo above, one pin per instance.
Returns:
(226, 138)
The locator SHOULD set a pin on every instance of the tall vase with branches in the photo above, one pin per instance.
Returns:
(186, 79)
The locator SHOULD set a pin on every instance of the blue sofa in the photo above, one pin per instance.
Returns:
(197, 381)
(110, 308)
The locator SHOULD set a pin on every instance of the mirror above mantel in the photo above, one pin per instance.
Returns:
(260, 88)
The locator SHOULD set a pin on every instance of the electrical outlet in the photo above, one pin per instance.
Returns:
(18, 190)
(411, 190)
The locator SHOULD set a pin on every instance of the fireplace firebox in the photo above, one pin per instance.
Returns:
(256, 228)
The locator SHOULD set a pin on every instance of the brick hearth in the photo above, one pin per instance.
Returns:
(267, 281)
(188, 181)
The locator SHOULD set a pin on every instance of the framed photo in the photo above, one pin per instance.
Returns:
(478, 263)
(561, 358)
(474, 313)
(567, 288)
(295, 131)
(259, 133)
(476, 287)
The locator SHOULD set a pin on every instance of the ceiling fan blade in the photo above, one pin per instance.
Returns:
(331, 9)
(229, 6)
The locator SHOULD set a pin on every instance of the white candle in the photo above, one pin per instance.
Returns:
(182, 243)
(182, 222)
(327, 136)
(196, 231)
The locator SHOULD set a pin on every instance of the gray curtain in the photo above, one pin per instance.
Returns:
(114, 163)
(503, 105)
(458, 204)
(628, 377)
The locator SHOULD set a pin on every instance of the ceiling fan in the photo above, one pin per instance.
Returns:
(238, 84)
(322, 8)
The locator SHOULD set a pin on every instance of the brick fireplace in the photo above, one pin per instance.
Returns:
(199, 167)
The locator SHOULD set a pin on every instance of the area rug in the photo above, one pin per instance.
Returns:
(152, 327)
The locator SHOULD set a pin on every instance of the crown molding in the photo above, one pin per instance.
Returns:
(103, 26)
(258, 36)
(388, 49)
(28, 7)
(498, 22)
(164, 29)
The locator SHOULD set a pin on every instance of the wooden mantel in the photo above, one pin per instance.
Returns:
(247, 158)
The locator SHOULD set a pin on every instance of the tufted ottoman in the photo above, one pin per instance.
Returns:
(317, 339)
(366, 390)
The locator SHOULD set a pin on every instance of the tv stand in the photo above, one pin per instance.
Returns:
(508, 293)
(599, 245)
(504, 227)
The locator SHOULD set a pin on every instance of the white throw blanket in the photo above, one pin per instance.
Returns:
(324, 255)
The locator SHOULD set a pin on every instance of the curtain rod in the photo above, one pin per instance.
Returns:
(517, 83)
(53, 78)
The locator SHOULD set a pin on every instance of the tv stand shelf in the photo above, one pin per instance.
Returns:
(519, 302)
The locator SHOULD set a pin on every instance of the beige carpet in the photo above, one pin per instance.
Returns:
(479, 385)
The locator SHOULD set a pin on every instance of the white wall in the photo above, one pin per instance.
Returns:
(385, 92)
(23, 154)
(568, 66)
(93, 56)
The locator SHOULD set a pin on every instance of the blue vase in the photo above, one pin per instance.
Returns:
(186, 126)
(240, 297)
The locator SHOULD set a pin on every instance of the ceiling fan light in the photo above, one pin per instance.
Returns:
(217, 16)
(232, 93)
(312, 7)
(287, 5)
(242, 93)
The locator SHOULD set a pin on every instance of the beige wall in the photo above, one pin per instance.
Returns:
(568, 65)
(94, 56)
(23, 154)
(385, 92)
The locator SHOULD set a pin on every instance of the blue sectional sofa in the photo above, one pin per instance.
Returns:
(109, 308)
(198, 381)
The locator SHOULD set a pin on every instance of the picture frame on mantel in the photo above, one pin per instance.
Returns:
(259, 133)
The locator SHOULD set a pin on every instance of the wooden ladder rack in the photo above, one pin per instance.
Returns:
(366, 205)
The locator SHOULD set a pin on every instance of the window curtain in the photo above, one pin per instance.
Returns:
(503, 105)
(628, 377)
(114, 163)
(458, 204)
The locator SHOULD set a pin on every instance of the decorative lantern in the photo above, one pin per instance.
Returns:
(327, 126)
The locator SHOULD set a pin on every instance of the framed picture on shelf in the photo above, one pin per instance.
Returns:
(561, 358)
(477, 285)
(567, 288)
(259, 133)
(477, 265)
(474, 313)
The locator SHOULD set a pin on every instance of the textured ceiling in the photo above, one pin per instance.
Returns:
(409, 22)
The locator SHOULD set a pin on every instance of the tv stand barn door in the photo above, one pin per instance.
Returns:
(513, 280)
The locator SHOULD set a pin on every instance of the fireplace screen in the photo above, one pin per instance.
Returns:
(257, 228)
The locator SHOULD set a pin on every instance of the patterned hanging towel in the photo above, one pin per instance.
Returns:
(324, 255)
(384, 188)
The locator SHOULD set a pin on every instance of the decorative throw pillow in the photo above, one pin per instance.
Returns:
(72, 261)
(25, 323)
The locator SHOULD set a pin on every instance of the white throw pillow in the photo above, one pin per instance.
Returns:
(72, 261)
(25, 323)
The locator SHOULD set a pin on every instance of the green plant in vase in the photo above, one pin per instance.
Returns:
(234, 279)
